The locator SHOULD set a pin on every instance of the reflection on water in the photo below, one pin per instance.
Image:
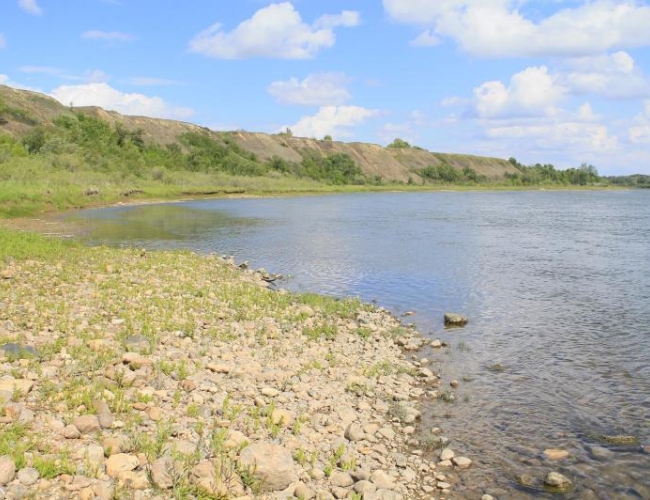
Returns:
(156, 226)
(556, 285)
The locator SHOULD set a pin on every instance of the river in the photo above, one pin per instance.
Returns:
(556, 285)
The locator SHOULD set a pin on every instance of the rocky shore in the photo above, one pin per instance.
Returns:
(128, 374)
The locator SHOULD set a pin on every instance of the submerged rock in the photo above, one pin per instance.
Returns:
(555, 453)
(453, 319)
(557, 481)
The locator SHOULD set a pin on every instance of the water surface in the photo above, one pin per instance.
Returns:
(556, 285)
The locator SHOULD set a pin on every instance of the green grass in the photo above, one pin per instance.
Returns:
(25, 245)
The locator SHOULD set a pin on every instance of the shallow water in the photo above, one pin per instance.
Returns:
(556, 286)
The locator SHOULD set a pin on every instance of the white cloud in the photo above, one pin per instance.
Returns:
(319, 89)
(497, 28)
(30, 6)
(558, 135)
(348, 18)
(105, 96)
(639, 131)
(425, 39)
(4, 79)
(107, 36)
(276, 31)
(613, 76)
(332, 120)
(532, 92)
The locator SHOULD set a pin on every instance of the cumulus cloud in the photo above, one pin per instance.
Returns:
(532, 92)
(105, 96)
(332, 120)
(614, 76)
(30, 6)
(497, 28)
(276, 31)
(107, 36)
(319, 89)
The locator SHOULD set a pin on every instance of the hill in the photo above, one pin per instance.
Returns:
(21, 111)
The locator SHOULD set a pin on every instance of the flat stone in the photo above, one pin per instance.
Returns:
(462, 462)
(87, 424)
(555, 454)
(447, 454)
(121, 462)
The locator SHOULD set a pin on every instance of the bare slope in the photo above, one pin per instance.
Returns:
(20, 110)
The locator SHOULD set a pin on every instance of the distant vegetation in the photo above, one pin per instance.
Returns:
(633, 181)
(79, 160)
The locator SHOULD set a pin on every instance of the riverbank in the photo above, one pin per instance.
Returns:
(132, 374)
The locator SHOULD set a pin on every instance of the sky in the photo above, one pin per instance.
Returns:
(564, 82)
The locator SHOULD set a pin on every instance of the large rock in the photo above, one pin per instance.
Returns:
(453, 319)
(271, 464)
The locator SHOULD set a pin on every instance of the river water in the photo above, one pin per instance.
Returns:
(556, 286)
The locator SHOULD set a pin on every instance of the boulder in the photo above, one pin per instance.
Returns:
(271, 464)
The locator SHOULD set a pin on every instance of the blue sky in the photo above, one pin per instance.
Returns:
(549, 81)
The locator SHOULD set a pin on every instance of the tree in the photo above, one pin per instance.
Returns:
(399, 144)
(327, 138)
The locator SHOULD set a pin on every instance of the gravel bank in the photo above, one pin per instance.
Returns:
(128, 374)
